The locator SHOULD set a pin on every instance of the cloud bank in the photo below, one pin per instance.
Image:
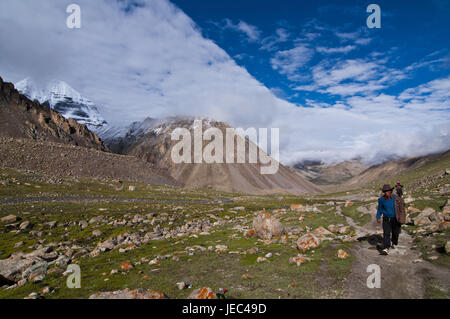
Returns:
(152, 60)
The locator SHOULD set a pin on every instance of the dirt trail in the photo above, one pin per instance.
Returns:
(403, 273)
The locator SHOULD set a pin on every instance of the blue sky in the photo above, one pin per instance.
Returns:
(335, 89)
(413, 40)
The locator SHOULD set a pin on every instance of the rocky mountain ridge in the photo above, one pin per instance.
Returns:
(21, 117)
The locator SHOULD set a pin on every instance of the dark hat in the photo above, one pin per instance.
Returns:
(386, 187)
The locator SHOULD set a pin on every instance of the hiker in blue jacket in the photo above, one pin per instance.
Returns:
(391, 227)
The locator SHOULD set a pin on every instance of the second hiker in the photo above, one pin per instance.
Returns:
(399, 189)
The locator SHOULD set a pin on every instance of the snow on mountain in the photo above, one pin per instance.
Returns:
(117, 137)
(64, 99)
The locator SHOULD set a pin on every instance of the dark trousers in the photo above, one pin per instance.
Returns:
(390, 228)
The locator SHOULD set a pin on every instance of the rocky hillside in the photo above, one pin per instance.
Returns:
(326, 174)
(22, 118)
(61, 160)
(151, 141)
(409, 168)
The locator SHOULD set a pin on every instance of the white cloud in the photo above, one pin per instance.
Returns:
(153, 61)
(351, 76)
(290, 61)
(433, 95)
(345, 49)
(252, 32)
(269, 43)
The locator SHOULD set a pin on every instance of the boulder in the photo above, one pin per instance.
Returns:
(12, 268)
(37, 272)
(447, 247)
(308, 241)
(130, 294)
(412, 210)
(19, 244)
(221, 249)
(267, 226)
(342, 254)
(247, 276)
(249, 233)
(202, 293)
(25, 225)
(299, 260)
(321, 231)
(181, 285)
(126, 265)
(83, 224)
(97, 233)
(96, 219)
(261, 259)
(18, 269)
(426, 217)
(444, 226)
(62, 261)
(298, 208)
(9, 219)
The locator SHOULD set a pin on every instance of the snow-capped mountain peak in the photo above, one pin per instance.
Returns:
(64, 99)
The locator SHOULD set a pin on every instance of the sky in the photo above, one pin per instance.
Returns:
(336, 89)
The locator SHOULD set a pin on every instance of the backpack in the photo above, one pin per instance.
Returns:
(400, 214)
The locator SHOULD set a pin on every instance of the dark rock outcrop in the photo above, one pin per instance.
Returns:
(22, 118)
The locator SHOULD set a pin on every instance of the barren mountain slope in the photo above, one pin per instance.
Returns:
(323, 174)
(394, 168)
(154, 144)
(57, 159)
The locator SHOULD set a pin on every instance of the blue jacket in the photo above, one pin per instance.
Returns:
(386, 207)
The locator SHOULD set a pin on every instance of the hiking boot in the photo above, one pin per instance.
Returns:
(385, 252)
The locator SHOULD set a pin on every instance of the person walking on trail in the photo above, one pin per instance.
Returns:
(392, 209)
(399, 189)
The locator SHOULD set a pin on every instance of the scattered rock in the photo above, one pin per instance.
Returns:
(341, 229)
(424, 217)
(348, 204)
(202, 293)
(297, 207)
(9, 219)
(19, 244)
(126, 265)
(308, 241)
(249, 233)
(25, 225)
(261, 259)
(96, 233)
(247, 276)
(342, 254)
(321, 231)
(299, 259)
(45, 290)
(83, 224)
(181, 285)
(130, 294)
(267, 226)
(221, 249)
(132, 188)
